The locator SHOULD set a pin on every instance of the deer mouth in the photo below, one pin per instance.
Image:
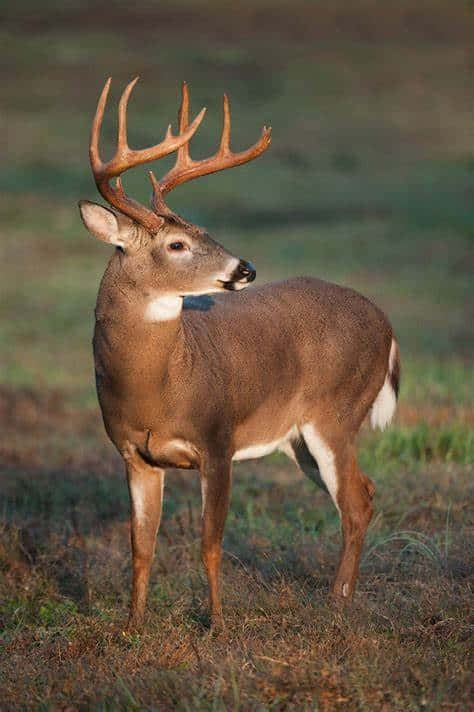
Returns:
(234, 286)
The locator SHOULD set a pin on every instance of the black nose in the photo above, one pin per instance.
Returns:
(246, 269)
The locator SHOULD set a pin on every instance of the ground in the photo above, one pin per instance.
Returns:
(369, 182)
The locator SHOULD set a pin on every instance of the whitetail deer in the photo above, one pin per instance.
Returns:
(294, 365)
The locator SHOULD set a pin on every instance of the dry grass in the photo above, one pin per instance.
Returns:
(404, 644)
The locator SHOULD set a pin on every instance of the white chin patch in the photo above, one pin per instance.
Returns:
(164, 308)
(239, 285)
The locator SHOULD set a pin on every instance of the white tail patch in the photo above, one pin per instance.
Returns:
(383, 407)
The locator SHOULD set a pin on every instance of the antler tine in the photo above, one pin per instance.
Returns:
(224, 148)
(126, 158)
(186, 169)
(122, 141)
(94, 154)
(183, 157)
(157, 201)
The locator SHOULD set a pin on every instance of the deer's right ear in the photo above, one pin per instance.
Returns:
(118, 230)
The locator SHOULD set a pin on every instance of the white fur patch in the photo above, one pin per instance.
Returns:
(384, 405)
(391, 358)
(138, 498)
(162, 475)
(164, 308)
(203, 494)
(240, 285)
(255, 451)
(324, 456)
(231, 267)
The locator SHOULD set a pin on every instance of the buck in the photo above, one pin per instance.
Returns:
(293, 365)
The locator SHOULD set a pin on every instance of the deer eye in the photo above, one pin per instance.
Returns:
(176, 246)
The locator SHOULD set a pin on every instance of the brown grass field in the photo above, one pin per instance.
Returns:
(369, 182)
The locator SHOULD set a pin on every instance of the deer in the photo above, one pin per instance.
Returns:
(196, 369)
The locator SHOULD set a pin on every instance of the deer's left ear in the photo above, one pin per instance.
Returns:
(108, 226)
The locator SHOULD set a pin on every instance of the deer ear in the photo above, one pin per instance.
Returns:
(118, 230)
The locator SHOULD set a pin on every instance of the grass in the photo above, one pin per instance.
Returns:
(369, 182)
(65, 563)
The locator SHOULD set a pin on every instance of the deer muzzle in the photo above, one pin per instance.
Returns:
(243, 274)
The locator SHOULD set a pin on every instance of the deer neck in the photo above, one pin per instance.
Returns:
(138, 330)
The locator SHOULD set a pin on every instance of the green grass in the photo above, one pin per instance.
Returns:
(420, 443)
(368, 182)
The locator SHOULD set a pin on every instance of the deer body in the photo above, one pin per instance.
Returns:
(191, 373)
(250, 364)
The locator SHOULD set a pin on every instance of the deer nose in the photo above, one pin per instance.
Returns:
(247, 270)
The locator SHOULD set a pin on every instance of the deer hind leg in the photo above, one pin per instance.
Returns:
(145, 485)
(352, 493)
(299, 452)
(216, 485)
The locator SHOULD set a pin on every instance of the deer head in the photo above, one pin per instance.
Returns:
(164, 254)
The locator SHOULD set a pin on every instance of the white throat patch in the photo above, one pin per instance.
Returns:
(163, 308)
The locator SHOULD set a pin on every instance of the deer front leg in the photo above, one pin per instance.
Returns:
(216, 484)
(145, 485)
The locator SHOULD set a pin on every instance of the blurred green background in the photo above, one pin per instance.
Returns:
(369, 180)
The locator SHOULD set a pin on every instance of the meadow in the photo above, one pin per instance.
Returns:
(369, 182)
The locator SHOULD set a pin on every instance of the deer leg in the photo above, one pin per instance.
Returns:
(354, 497)
(352, 493)
(216, 484)
(306, 462)
(145, 485)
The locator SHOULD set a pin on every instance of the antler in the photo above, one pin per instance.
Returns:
(126, 158)
(186, 168)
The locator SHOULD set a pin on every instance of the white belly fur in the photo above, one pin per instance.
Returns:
(262, 449)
